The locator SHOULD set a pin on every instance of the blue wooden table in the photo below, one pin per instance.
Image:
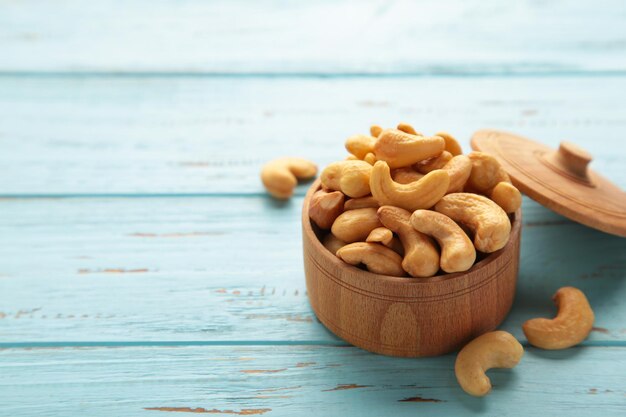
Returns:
(143, 270)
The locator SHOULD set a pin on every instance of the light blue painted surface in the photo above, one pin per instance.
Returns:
(142, 266)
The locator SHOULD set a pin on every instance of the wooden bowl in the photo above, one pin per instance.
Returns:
(408, 317)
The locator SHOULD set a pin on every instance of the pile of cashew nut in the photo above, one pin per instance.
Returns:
(404, 203)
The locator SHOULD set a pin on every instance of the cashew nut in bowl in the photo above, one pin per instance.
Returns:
(497, 349)
(506, 196)
(421, 194)
(421, 258)
(432, 164)
(489, 223)
(361, 202)
(457, 250)
(380, 235)
(486, 172)
(452, 145)
(377, 258)
(332, 243)
(355, 225)
(281, 176)
(459, 169)
(350, 177)
(325, 207)
(401, 149)
(571, 325)
(360, 145)
(407, 128)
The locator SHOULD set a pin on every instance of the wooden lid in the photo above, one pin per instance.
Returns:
(558, 179)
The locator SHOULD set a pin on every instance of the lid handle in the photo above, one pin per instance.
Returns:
(571, 160)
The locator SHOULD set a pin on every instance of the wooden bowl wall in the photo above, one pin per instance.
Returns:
(408, 317)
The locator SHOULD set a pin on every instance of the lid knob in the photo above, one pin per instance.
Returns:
(571, 160)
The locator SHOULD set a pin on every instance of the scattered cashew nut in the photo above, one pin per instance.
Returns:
(325, 207)
(350, 177)
(377, 258)
(281, 176)
(360, 145)
(506, 196)
(497, 349)
(400, 149)
(489, 223)
(421, 258)
(457, 250)
(571, 325)
(417, 195)
(355, 225)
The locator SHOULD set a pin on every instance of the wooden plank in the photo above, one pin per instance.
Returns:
(181, 135)
(321, 37)
(230, 268)
(300, 380)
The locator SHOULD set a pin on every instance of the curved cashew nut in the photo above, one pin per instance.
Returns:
(362, 202)
(375, 130)
(333, 243)
(405, 175)
(325, 207)
(380, 235)
(407, 128)
(486, 171)
(497, 349)
(360, 145)
(350, 177)
(432, 164)
(281, 176)
(377, 258)
(457, 250)
(452, 145)
(421, 258)
(488, 222)
(506, 196)
(355, 225)
(571, 325)
(400, 149)
(459, 168)
(417, 195)
(370, 158)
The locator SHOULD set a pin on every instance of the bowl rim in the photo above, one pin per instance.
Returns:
(406, 280)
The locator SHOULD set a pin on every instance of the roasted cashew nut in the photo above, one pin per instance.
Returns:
(281, 176)
(506, 196)
(405, 175)
(350, 177)
(421, 258)
(380, 235)
(459, 169)
(362, 202)
(571, 325)
(333, 243)
(401, 149)
(497, 349)
(486, 171)
(457, 250)
(370, 158)
(452, 145)
(432, 164)
(375, 130)
(489, 223)
(377, 258)
(325, 207)
(407, 128)
(360, 145)
(417, 195)
(355, 225)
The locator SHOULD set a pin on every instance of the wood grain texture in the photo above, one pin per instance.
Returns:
(300, 380)
(323, 37)
(150, 269)
(201, 136)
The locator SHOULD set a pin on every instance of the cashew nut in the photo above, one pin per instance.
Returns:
(281, 176)
(400, 149)
(375, 130)
(432, 164)
(407, 128)
(355, 225)
(380, 235)
(377, 258)
(459, 168)
(362, 202)
(350, 177)
(497, 349)
(457, 251)
(421, 258)
(405, 175)
(452, 145)
(417, 195)
(571, 325)
(506, 196)
(333, 243)
(360, 145)
(370, 158)
(325, 207)
(351, 157)
(486, 171)
(489, 223)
